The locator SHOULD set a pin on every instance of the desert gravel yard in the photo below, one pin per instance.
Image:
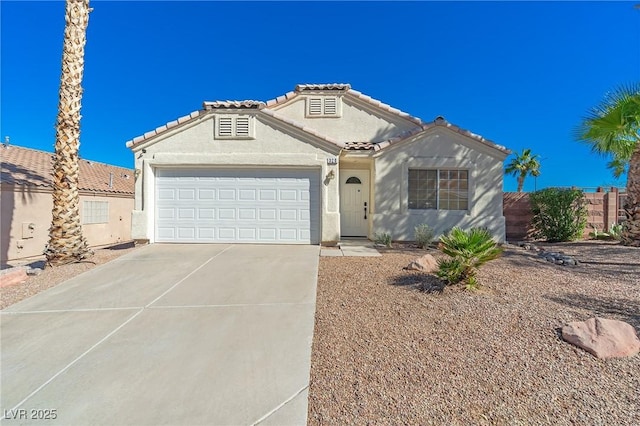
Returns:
(386, 352)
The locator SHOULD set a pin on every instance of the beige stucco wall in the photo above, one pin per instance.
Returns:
(438, 148)
(26, 205)
(359, 121)
(193, 145)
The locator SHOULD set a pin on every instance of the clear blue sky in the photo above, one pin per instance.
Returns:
(519, 73)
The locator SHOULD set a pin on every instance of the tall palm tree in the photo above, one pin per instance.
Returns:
(66, 242)
(523, 164)
(613, 129)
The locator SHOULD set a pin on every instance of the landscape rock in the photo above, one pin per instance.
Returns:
(13, 276)
(559, 258)
(426, 263)
(604, 338)
(34, 271)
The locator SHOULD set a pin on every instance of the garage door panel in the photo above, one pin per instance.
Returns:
(227, 194)
(186, 194)
(247, 214)
(247, 195)
(226, 214)
(206, 213)
(268, 234)
(288, 195)
(269, 206)
(206, 194)
(268, 214)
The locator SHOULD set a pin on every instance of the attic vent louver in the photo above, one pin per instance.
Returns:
(325, 106)
(234, 127)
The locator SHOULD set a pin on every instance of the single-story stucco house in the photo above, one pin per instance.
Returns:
(106, 202)
(315, 165)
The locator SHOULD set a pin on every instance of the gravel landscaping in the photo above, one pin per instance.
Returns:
(387, 352)
(51, 276)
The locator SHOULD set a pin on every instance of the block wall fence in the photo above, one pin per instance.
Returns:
(603, 209)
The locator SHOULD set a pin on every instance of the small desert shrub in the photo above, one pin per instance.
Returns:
(382, 238)
(423, 235)
(467, 251)
(615, 231)
(558, 214)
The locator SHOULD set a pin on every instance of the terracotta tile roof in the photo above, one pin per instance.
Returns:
(184, 119)
(248, 104)
(265, 107)
(348, 90)
(329, 86)
(439, 121)
(30, 167)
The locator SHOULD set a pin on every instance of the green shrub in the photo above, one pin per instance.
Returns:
(467, 251)
(382, 238)
(423, 235)
(558, 214)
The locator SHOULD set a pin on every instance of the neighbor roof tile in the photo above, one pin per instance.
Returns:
(31, 167)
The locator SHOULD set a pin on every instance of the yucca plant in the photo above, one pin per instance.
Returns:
(468, 250)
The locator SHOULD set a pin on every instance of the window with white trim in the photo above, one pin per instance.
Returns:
(442, 189)
(323, 106)
(95, 212)
(234, 127)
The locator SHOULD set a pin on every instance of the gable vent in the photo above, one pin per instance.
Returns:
(330, 106)
(233, 127)
(242, 126)
(325, 106)
(315, 106)
(225, 127)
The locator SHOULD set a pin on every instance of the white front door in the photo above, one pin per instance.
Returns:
(354, 203)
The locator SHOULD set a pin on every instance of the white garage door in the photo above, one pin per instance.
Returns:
(237, 206)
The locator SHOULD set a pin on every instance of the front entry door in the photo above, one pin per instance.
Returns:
(354, 203)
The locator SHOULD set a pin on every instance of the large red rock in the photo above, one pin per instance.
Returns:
(426, 263)
(13, 276)
(604, 338)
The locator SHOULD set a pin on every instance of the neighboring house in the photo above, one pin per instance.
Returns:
(106, 202)
(313, 166)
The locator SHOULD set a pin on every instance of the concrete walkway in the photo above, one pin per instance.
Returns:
(168, 334)
(354, 248)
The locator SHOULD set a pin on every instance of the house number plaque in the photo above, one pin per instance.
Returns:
(332, 160)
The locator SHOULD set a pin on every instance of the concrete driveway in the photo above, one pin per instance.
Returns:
(168, 334)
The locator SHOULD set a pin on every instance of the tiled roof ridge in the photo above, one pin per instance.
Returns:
(302, 127)
(30, 166)
(439, 121)
(322, 86)
(385, 107)
(246, 104)
(266, 108)
(161, 129)
(4, 146)
(342, 87)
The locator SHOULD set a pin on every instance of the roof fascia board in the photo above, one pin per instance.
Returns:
(151, 137)
(391, 113)
(293, 130)
(165, 131)
(484, 147)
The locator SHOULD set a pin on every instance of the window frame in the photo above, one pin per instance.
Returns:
(441, 185)
(246, 121)
(91, 215)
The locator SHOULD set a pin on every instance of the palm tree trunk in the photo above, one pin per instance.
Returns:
(520, 183)
(631, 229)
(66, 242)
